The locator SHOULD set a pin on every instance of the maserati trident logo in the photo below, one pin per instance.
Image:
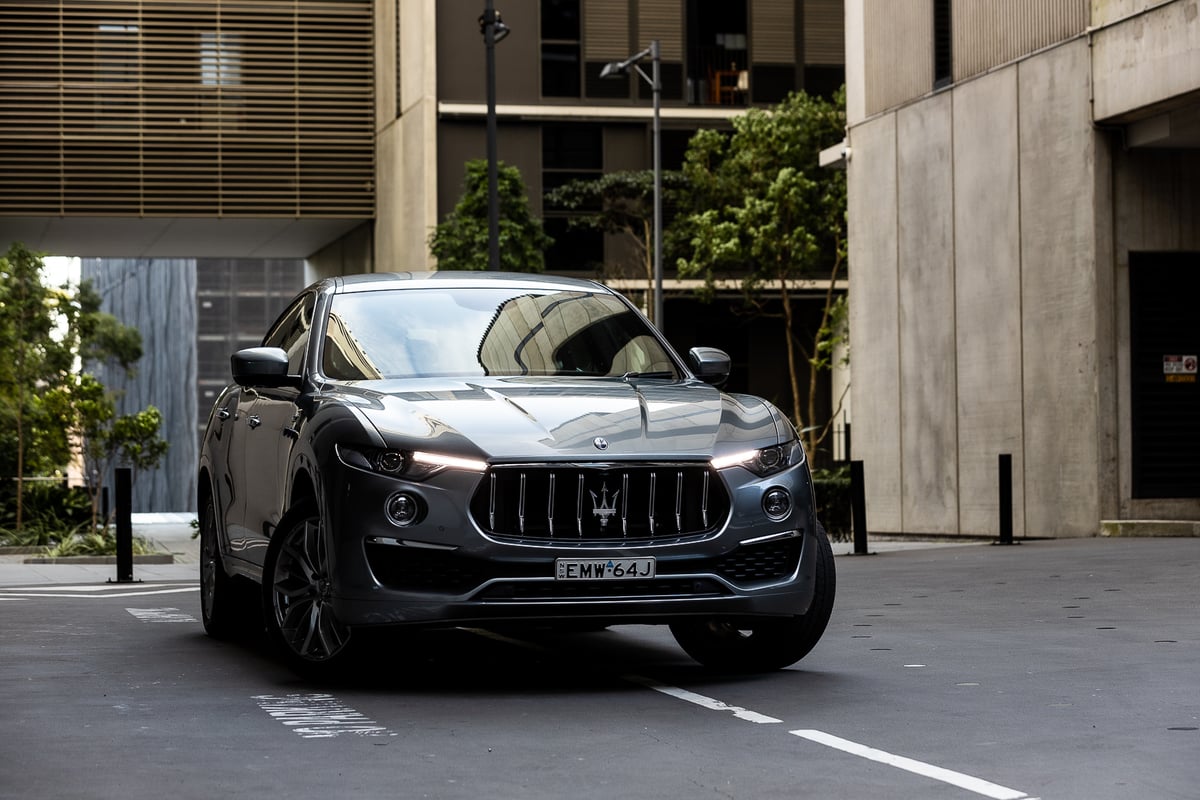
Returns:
(602, 507)
(600, 443)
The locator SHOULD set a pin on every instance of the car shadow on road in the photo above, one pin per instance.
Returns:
(466, 661)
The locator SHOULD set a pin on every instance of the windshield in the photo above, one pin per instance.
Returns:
(459, 332)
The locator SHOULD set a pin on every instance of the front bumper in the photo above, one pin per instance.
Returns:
(444, 570)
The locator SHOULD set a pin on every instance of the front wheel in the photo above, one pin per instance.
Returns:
(218, 604)
(297, 594)
(767, 644)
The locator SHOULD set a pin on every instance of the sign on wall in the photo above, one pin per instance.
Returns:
(1179, 369)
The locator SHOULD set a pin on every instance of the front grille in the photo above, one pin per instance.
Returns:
(616, 503)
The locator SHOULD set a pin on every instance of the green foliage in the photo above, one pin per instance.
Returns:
(832, 490)
(52, 511)
(83, 542)
(460, 241)
(51, 408)
(762, 209)
(621, 204)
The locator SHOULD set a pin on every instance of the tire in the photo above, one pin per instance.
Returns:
(767, 644)
(297, 593)
(220, 609)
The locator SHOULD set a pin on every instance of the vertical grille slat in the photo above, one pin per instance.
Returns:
(625, 504)
(550, 507)
(579, 507)
(653, 497)
(612, 502)
(521, 506)
(679, 501)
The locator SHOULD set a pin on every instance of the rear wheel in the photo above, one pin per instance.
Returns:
(297, 594)
(766, 644)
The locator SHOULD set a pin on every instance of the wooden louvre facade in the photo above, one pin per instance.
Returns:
(187, 109)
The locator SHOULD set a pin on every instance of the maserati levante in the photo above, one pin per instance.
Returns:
(485, 449)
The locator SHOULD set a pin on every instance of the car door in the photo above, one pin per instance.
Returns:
(268, 430)
(229, 454)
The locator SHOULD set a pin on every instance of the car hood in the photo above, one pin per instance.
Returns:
(531, 419)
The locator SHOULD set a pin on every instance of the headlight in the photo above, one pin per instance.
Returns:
(766, 461)
(412, 465)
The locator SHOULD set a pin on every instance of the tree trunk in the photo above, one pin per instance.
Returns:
(786, 300)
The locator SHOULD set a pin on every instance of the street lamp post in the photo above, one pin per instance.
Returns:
(616, 69)
(493, 30)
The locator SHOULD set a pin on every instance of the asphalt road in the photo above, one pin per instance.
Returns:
(1053, 669)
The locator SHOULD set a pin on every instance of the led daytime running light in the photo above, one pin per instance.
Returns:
(439, 460)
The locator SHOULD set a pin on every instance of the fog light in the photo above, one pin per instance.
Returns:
(777, 503)
(403, 509)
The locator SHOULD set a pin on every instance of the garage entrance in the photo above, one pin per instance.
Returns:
(1164, 304)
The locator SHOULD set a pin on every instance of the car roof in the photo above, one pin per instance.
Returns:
(374, 281)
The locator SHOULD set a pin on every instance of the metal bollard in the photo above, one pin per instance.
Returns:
(1006, 500)
(124, 525)
(858, 507)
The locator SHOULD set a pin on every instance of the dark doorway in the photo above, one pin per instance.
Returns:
(1164, 295)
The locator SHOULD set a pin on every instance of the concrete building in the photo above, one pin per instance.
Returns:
(158, 134)
(1025, 242)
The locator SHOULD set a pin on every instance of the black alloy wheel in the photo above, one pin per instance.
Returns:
(297, 594)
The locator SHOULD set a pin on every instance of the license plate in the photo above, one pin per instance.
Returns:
(603, 569)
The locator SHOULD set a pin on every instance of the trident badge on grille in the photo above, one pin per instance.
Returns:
(602, 507)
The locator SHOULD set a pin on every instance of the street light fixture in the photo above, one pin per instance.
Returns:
(493, 30)
(617, 69)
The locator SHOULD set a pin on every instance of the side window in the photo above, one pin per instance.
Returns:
(291, 332)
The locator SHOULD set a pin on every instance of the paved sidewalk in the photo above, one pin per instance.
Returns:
(171, 533)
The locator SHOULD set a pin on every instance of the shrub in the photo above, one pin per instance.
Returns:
(832, 488)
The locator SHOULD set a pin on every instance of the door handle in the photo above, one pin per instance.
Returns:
(254, 421)
(223, 413)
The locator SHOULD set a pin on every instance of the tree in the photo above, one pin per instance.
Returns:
(761, 208)
(52, 408)
(86, 411)
(33, 358)
(460, 241)
(621, 204)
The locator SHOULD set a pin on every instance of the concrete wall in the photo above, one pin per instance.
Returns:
(979, 325)
(1143, 59)
(928, 424)
(874, 318)
(405, 135)
(988, 336)
(1061, 359)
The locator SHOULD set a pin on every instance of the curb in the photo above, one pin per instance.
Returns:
(166, 558)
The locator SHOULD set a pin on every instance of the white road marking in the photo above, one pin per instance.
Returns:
(319, 716)
(961, 780)
(701, 700)
(971, 784)
(160, 615)
(90, 589)
(38, 593)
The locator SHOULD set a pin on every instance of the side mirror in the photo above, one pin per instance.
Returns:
(262, 366)
(710, 364)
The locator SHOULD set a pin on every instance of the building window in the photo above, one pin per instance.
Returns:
(220, 58)
(943, 38)
(116, 74)
(560, 48)
(717, 53)
(571, 152)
